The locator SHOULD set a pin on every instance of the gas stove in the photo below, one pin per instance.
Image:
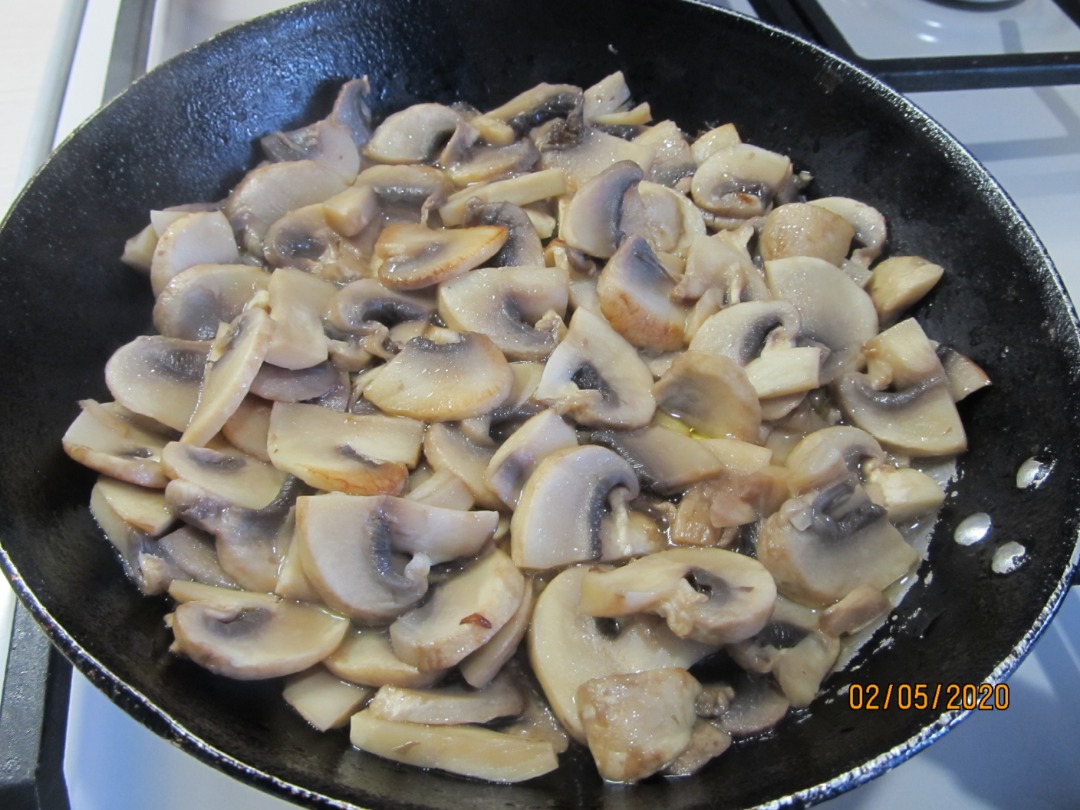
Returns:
(1002, 75)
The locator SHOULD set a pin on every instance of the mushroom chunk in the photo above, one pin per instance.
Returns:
(757, 706)
(519, 456)
(412, 135)
(638, 722)
(520, 190)
(802, 229)
(706, 594)
(414, 256)
(369, 556)
(710, 394)
(866, 221)
(899, 281)
(822, 545)
(721, 265)
(564, 505)
(199, 237)
(108, 438)
(511, 305)
(449, 705)
(635, 297)
(323, 699)
(568, 648)
(595, 376)
(522, 246)
(443, 377)
(250, 636)
(605, 211)
(462, 614)
(741, 181)
(366, 657)
(196, 300)
(158, 377)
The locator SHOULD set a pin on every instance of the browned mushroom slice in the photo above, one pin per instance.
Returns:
(366, 657)
(514, 462)
(462, 614)
(270, 191)
(234, 360)
(236, 477)
(801, 229)
(899, 282)
(596, 376)
(196, 300)
(605, 211)
(158, 377)
(710, 394)
(478, 668)
(521, 190)
(249, 636)
(568, 648)
(706, 594)
(449, 450)
(522, 247)
(200, 237)
(859, 609)
(509, 305)
(369, 556)
(741, 181)
(359, 454)
(323, 699)
(448, 705)
(822, 545)
(110, 439)
(413, 256)
(412, 135)
(582, 481)
(636, 723)
(635, 297)
(867, 222)
(443, 377)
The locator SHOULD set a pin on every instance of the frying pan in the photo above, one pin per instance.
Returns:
(186, 132)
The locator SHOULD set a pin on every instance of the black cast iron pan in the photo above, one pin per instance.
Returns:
(186, 133)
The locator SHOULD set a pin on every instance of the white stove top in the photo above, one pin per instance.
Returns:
(1030, 141)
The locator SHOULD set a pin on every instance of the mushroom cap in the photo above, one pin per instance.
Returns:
(635, 293)
(232, 475)
(197, 299)
(325, 141)
(359, 304)
(158, 377)
(414, 256)
(537, 105)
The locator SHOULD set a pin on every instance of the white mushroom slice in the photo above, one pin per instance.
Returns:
(740, 181)
(440, 488)
(143, 508)
(741, 330)
(722, 263)
(834, 310)
(448, 705)
(782, 369)
(636, 723)
(596, 377)
(200, 237)
(462, 614)
(405, 193)
(364, 302)
(303, 238)
(270, 191)
(292, 582)
(234, 360)
(514, 462)
(899, 282)
(859, 609)
(189, 554)
(158, 377)
(707, 144)
(565, 502)
(413, 256)
(247, 428)
(635, 298)
(802, 229)
(487, 163)
(359, 454)
(509, 305)
(822, 545)
(325, 141)
(466, 750)
(672, 220)
(444, 377)
(197, 299)
(906, 493)
(710, 394)
(831, 454)
(298, 301)
(366, 657)
(297, 385)
(521, 190)
(480, 667)
(234, 476)
(964, 374)
(585, 152)
(369, 556)
(109, 439)
(323, 699)
(412, 135)
(449, 450)
(758, 706)
(605, 210)
(522, 247)
(129, 542)
(139, 249)
(672, 159)
(608, 95)
(568, 648)
(706, 594)
(350, 211)
(250, 636)
(867, 222)
(537, 105)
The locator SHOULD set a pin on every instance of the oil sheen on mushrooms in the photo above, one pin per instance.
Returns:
(498, 432)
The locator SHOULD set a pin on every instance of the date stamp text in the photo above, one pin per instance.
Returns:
(920, 696)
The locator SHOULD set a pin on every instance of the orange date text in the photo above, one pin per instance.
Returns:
(934, 696)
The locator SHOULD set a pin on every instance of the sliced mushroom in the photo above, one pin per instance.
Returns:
(605, 211)
(859, 609)
(304, 238)
(197, 299)
(867, 222)
(568, 648)
(510, 305)
(234, 360)
(350, 211)
(758, 706)
(488, 162)
(351, 109)
(188, 554)
(143, 508)
(635, 298)
(369, 555)
(741, 331)
(964, 374)
(522, 247)
(706, 594)
(450, 451)
(200, 237)
(710, 394)
(564, 504)
(467, 750)
(829, 455)
(638, 722)
(448, 705)
(521, 190)
(514, 462)
(246, 429)
(479, 668)
(721, 264)
(672, 159)
(129, 541)
(405, 193)
(708, 143)
(251, 636)
(906, 493)
(443, 377)
(237, 478)
(323, 699)
(462, 614)
(325, 141)
(537, 105)
(412, 135)
(108, 438)
(298, 301)
(439, 488)
(158, 377)
(672, 220)
(595, 376)
(822, 545)
(365, 302)
(296, 385)
(366, 657)
(415, 256)
(585, 152)
(707, 741)
(803, 229)
(899, 282)
(741, 181)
